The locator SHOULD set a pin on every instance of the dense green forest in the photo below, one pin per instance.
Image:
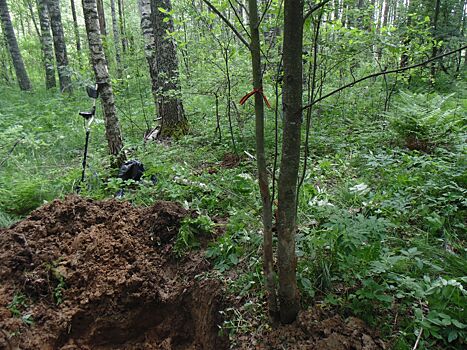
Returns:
(315, 150)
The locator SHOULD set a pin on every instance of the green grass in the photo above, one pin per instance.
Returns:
(381, 227)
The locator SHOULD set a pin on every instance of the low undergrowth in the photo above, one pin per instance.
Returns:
(382, 209)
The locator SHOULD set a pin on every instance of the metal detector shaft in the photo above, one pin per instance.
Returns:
(85, 154)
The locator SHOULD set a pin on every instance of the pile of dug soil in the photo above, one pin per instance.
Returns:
(316, 329)
(83, 274)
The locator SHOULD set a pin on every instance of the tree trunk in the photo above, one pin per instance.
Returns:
(61, 56)
(385, 13)
(434, 51)
(404, 61)
(147, 28)
(268, 264)
(116, 39)
(76, 30)
(99, 63)
(169, 104)
(101, 14)
(47, 44)
(121, 18)
(289, 298)
(31, 12)
(8, 31)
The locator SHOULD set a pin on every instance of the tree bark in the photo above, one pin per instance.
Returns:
(434, 50)
(99, 63)
(47, 44)
(385, 13)
(101, 14)
(116, 38)
(8, 31)
(169, 103)
(268, 263)
(121, 18)
(147, 28)
(64, 74)
(404, 61)
(31, 12)
(287, 190)
(76, 29)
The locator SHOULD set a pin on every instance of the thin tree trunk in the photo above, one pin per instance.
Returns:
(64, 74)
(289, 298)
(21, 22)
(385, 13)
(263, 179)
(463, 22)
(8, 31)
(101, 14)
(169, 104)
(434, 50)
(31, 12)
(147, 28)
(121, 19)
(99, 63)
(404, 61)
(116, 39)
(47, 44)
(76, 30)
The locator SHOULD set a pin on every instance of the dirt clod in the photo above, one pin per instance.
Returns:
(83, 274)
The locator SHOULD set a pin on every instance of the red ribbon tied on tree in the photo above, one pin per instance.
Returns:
(255, 91)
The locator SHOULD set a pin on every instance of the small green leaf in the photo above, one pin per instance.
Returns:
(458, 324)
(452, 335)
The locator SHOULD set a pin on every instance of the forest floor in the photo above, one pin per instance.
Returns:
(103, 275)
(380, 239)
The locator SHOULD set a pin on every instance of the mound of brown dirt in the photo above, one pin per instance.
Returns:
(101, 275)
(316, 330)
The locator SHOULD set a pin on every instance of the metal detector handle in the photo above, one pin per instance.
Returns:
(93, 92)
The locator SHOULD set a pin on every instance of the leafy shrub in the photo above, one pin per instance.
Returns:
(424, 122)
(190, 231)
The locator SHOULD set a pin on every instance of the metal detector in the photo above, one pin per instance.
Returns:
(93, 92)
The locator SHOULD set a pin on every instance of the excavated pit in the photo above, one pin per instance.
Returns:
(83, 274)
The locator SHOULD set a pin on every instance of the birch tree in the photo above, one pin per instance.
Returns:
(47, 44)
(76, 29)
(10, 37)
(116, 38)
(99, 63)
(147, 29)
(61, 56)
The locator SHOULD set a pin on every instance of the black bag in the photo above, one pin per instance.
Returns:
(131, 170)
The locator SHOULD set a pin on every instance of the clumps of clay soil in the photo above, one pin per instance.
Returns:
(316, 330)
(83, 274)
